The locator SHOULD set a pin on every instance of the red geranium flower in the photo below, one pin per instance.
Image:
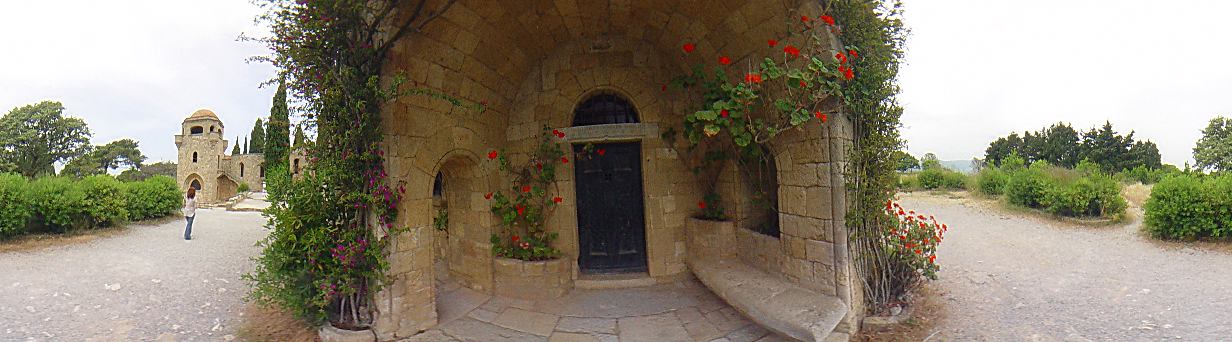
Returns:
(792, 50)
(724, 113)
(853, 53)
(601, 151)
(688, 47)
(932, 259)
(724, 60)
(828, 19)
(515, 238)
(803, 84)
(804, 19)
(701, 204)
(487, 196)
(849, 74)
(525, 188)
(663, 88)
(772, 42)
(823, 118)
(557, 199)
(525, 245)
(840, 57)
(492, 155)
(564, 160)
(520, 209)
(752, 78)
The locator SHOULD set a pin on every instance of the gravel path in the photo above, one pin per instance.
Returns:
(1016, 278)
(147, 283)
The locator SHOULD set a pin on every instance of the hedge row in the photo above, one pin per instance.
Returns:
(1190, 206)
(59, 204)
(1084, 192)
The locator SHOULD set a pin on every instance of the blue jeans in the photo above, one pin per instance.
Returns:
(188, 229)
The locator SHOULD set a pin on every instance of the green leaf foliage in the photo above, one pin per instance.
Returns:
(1214, 150)
(35, 137)
(1190, 206)
(15, 211)
(153, 197)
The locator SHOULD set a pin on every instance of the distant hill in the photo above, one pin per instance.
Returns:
(963, 166)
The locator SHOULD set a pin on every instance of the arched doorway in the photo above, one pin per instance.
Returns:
(461, 234)
(610, 210)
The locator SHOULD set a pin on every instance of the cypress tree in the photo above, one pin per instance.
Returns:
(257, 143)
(278, 131)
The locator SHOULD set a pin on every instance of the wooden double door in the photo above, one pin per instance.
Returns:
(610, 211)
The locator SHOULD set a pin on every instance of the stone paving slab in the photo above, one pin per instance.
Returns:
(684, 311)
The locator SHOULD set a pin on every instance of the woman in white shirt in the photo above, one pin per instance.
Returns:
(190, 212)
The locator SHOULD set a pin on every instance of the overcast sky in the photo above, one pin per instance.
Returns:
(975, 69)
(135, 69)
(979, 69)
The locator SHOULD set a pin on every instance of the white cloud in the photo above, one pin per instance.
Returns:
(979, 69)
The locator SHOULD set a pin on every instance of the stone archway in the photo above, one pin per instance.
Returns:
(225, 189)
(468, 254)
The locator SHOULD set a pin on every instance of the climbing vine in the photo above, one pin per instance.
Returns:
(875, 28)
(327, 254)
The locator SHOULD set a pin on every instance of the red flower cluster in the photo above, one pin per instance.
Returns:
(487, 196)
(492, 155)
(827, 19)
(821, 116)
(701, 204)
(601, 152)
(917, 234)
(564, 160)
(724, 60)
(772, 42)
(688, 48)
(724, 113)
(752, 78)
(525, 188)
(558, 133)
(557, 199)
(792, 50)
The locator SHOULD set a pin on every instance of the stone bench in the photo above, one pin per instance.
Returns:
(770, 300)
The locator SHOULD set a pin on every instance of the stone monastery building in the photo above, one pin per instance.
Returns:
(204, 164)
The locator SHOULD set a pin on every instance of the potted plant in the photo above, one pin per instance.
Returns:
(526, 264)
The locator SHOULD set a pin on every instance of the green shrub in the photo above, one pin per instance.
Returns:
(1220, 190)
(57, 204)
(1094, 195)
(909, 181)
(942, 178)
(1180, 207)
(153, 197)
(14, 205)
(991, 181)
(243, 187)
(103, 200)
(1027, 187)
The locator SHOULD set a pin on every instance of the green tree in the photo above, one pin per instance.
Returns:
(101, 159)
(257, 142)
(34, 137)
(162, 168)
(1214, 149)
(1001, 148)
(1143, 153)
(929, 161)
(1107, 148)
(278, 131)
(235, 150)
(905, 161)
(1059, 145)
(300, 139)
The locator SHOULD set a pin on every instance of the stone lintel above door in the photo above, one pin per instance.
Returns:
(611, 132)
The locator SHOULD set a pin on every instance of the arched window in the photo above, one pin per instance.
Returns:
(196, 130)
(438, 186)
(262, 169)
(295, 166)
(241, 169)
(194, 157)
(604, 109)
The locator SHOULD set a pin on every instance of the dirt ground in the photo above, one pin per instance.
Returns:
(1010, 276)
